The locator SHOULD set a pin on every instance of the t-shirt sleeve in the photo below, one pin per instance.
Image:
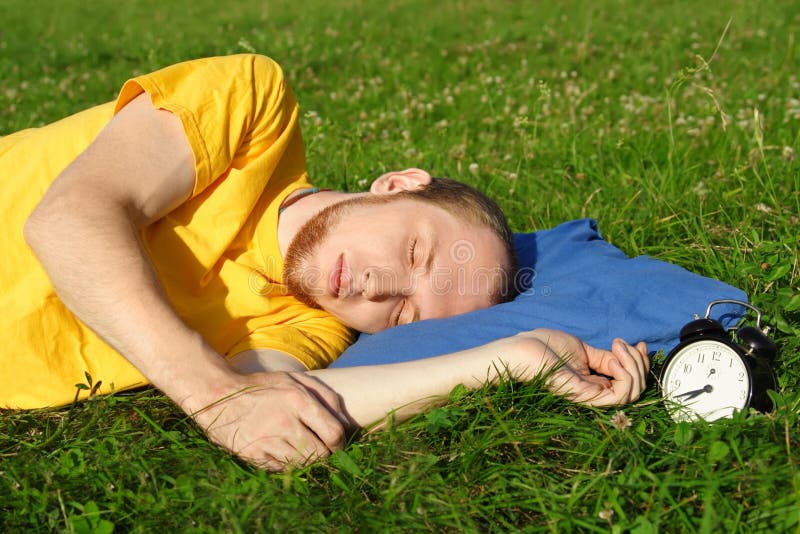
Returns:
(316, 344)
(231, 107)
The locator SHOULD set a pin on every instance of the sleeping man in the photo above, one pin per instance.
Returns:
(172, 238)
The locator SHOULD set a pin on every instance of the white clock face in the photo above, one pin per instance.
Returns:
(706, 379)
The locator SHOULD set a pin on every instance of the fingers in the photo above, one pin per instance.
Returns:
(642, 358)
(626, 365)
(628, 370)
(298, 449)
(330, 400)
(312, 430)
(289, 442)
(277, 454)
(632, 360)
(278, 419)
(325, 426)
(642, 348)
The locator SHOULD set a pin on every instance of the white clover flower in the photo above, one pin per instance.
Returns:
(606, 514)
(620, 420)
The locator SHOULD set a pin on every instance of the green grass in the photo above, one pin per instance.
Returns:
(607, 109)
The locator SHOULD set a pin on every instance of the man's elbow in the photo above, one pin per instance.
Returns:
(33, 231)
(48, 216)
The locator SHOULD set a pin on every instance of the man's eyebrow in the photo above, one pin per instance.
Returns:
(428, 266)
(431, 254)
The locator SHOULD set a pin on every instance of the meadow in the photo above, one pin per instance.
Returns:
(675, 124)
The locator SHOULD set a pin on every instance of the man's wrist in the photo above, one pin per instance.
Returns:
(521, 356)
(198, 378)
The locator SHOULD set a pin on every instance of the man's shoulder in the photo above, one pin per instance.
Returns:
(244, 65)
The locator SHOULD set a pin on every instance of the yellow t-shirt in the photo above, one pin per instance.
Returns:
(216, 255)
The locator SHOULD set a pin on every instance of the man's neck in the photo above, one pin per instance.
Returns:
(297, 214)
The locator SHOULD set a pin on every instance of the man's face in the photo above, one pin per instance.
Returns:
(375, 265)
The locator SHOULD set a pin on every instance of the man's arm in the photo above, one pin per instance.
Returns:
(571, 368)
(85, 233)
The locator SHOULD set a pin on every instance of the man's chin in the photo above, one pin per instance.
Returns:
(299, 290)
(307, 300)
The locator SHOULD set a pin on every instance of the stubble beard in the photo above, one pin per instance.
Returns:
(300, 277)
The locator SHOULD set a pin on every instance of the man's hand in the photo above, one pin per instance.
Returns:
(586, 374)
(275, 419)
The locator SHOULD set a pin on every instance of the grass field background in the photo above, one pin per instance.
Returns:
(675, 124)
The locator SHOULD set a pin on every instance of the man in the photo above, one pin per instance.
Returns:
(160, 224)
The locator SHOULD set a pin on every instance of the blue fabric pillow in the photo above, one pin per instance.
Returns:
(578, 283)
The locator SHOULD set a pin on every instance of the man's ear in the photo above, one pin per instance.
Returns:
(396, 181)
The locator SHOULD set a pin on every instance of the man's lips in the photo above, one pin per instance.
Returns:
(335, 279)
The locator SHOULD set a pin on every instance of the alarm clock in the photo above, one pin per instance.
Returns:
(713, 373)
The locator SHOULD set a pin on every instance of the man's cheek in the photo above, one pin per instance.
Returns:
(359, 316)
(305, 284)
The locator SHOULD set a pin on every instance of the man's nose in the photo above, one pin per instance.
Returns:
(380, 284)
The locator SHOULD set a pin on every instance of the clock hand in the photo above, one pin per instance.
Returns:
(711, 371)
(695, 393)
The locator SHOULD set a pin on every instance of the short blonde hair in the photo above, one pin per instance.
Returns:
(473, 207)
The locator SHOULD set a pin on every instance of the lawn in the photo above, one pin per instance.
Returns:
(674, 124)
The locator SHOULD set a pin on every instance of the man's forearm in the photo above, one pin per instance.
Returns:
(369, 393)
(100, 271)
(571, 368)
